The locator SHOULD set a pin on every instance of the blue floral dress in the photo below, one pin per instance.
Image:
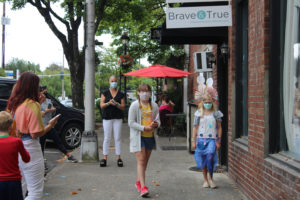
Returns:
(205, 153)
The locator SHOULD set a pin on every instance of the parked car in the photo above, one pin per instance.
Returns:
(70, 125)
(67, 102)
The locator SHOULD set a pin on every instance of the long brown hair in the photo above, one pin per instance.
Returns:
(143, 87)
(27, 87)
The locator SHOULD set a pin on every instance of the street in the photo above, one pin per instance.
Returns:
(53, 155)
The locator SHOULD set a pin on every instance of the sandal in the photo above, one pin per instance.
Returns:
(120, 162)
(103, 163)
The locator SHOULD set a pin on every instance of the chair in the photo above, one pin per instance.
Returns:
(166, 123)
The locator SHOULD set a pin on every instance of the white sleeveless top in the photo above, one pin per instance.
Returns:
(207, 124)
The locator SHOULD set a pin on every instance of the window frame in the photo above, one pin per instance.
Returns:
(241, 64)
(292, 31)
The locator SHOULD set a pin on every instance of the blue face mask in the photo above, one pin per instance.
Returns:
(113, 85)
(207, 106)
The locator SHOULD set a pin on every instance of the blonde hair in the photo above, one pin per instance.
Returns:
(207, 96)
(5, 121)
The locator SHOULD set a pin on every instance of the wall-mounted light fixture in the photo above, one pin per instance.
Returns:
(224, 51)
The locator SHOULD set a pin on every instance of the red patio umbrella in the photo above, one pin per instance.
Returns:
(159, 71)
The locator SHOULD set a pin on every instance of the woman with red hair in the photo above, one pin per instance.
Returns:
(24, 105)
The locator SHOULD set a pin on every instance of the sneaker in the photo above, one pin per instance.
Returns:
(144, 192)
(205, 184)
(212, 184)
(138, 186)
(46, 166)
(72, 159)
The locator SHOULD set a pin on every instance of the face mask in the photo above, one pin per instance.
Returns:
(207, 106)
(145, 95)
(113, 85)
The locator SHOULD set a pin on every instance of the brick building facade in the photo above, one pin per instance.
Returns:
(259, 90)
(260, 157)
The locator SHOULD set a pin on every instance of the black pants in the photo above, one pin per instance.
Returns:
(52, 134)
(11, 190)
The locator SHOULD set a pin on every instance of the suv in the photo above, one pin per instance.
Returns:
(70, 125)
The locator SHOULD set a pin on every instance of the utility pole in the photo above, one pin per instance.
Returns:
(63, 77)
(125, 88)
(125, 39)
(3, 36)
(89, 141)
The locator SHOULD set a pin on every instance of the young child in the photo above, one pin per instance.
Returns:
(206, 136)
(143, 118)
(10, 147)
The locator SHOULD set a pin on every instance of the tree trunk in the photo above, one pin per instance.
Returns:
(76, 66)
(77, 76)
(70, 41)
(77, 88)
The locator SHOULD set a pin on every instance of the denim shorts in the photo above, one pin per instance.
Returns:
(147, 142)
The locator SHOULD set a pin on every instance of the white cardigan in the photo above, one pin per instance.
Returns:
(134, 122)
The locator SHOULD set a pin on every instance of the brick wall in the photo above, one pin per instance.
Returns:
(257, 175)
(192, 79)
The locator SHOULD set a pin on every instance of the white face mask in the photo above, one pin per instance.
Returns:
(144, 95)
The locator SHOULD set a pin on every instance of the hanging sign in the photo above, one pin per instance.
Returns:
(192, 17)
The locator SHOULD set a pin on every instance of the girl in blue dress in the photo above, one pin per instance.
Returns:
(206, 137)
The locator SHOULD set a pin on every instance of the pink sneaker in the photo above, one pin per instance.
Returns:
(144, 192)
(138, 186)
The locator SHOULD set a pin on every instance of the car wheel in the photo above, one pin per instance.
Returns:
(71, 135)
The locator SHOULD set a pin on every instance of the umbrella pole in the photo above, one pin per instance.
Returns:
(120, 79)
(157, 88)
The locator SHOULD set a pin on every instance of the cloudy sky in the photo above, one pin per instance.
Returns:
(29, 38)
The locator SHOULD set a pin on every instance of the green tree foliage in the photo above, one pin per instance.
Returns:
(107, 13)
(22, 66)
(108, 66)
(52, 79)
(137, 17)
(138, 23)
(2, 73)
(65, 27)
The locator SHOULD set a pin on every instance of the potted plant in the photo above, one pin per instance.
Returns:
(125, 61)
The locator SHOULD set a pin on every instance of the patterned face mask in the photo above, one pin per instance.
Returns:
(145, 95)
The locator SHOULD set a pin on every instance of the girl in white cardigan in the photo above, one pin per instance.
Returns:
(143, 118)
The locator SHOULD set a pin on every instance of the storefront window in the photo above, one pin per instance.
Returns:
(291, 80)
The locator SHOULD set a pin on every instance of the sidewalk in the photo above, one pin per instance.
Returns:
(168, 177)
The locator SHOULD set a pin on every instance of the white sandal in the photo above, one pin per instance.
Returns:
(205, 184)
